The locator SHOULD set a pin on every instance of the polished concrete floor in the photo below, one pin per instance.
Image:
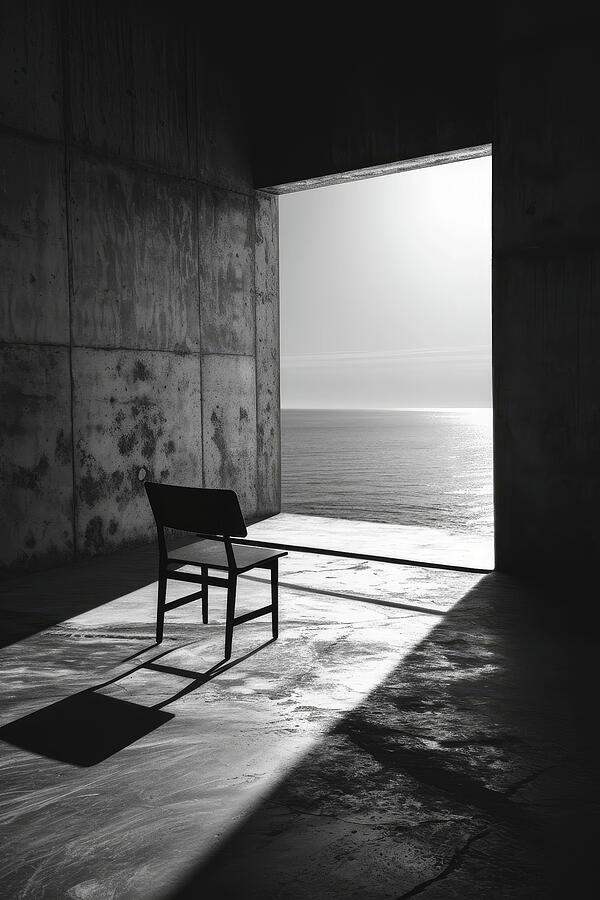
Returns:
(412, 732)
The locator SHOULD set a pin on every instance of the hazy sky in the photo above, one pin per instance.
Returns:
(385, 291)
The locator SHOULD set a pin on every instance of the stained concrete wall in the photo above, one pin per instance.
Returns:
(133, 251)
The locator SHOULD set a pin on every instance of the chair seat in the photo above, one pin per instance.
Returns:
(212, 553)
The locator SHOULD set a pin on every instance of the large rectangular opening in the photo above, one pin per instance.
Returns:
(386, 358)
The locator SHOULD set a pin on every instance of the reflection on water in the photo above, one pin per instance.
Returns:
(408, 467)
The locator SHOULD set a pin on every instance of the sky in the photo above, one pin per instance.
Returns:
(386, 291)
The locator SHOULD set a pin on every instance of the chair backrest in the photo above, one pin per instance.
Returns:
(204, 510)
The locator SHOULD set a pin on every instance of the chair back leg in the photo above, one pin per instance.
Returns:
(275, 597)
(231, 590)
(160, 609)
(204, 570)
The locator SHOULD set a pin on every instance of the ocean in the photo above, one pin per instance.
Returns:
(408, 467)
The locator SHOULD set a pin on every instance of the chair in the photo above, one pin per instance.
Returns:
(214, 515)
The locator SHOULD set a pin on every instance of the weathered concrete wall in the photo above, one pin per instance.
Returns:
(226, 272)
(36, 472)
(128, 322)
(546, 290)
(33, 257)
(229, 413)
(136, 416)
(134, 257)
(267, 354)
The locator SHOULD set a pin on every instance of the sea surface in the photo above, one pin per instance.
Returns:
(408, 467)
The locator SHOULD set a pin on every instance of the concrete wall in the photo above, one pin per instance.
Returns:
(366, 91)
(139, 266)
(546, 294)
(526, 83)
(139, 273)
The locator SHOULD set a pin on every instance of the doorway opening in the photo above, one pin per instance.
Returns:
(385, 286)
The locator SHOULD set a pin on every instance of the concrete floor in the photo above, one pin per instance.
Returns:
(427, 733)
(414, 542)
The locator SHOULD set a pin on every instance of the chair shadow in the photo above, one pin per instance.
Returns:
(84, 729)
(360, 598)
(89, 727)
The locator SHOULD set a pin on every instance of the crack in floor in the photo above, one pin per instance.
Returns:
(455, 863)
(523, 782)
(394, 825)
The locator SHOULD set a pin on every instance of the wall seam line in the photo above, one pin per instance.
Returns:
(200, 354)
(51, 344)
(105, 348)
(110, 348)
(277, 301)
(66, 97)
(127, 162)
(256, 427)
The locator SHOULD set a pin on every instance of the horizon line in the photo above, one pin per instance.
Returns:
(381, 408)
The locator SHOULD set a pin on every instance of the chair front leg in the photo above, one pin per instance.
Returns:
(231, 589)
(160, 610)
(204, 570)
(275, 597)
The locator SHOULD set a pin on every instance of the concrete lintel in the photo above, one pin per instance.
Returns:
(421, 162)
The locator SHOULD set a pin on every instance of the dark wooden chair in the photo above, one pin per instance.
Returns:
(216, 517)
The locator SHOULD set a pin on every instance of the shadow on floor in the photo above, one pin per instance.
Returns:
(468, 773)
(31, 603)
(376, 601)
(84, 729)
(89, 727)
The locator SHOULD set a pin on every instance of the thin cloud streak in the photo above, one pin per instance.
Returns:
(476, 353)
